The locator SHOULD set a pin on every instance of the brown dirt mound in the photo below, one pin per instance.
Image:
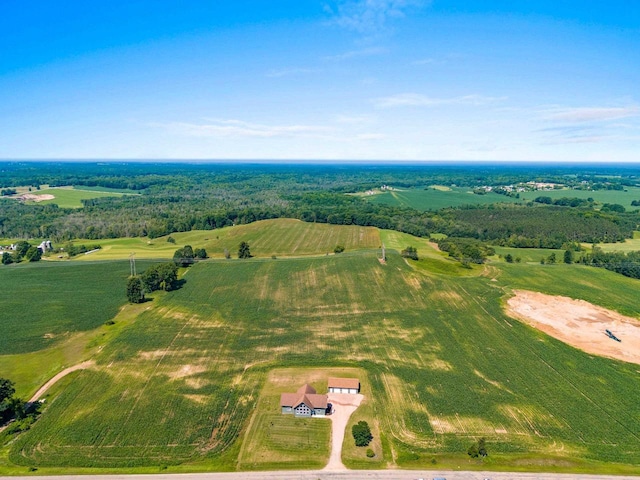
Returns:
(579, 324)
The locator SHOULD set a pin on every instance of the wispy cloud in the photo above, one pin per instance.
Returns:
(284, 72)
(571, 125)
(364, 52)
(355, 119)
(369, 16)
(238, 128)
(591, 114)
(419, 100)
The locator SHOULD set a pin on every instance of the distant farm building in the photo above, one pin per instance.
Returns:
(304, 403)
(344, 385)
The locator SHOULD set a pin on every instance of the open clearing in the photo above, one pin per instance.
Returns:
(579, 323)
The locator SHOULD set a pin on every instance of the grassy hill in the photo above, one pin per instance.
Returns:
(445, 366)
(280, 237)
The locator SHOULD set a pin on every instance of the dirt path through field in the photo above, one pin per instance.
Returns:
(579, 323)
(344, 405)
(63, 373)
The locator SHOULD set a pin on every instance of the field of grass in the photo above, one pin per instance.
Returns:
(280, 237)
(435, 198)
(622, 197)
(446, 366)
(44, 303)
(531, 254)
(68, 197)
(629, 245)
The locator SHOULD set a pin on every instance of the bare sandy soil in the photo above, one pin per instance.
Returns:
(579, 324)
(35, 198)
(344, 404)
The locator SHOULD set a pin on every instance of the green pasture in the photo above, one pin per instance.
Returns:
(531, 254)
(436, 197)
(430, 259)
(46, 302)
(67, 197)
(621, 197)
(125, 191)
(446, 366)
(279, 237)
(629, 245)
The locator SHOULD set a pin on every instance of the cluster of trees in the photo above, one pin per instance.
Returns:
(23, 251)
(13, 408)
(410, 252)
(361, 434)
(8, 191)
(187, 256)
(466, 250)
(478, 449)
(565, 201)
(73, 250)
(627, 264)
(539, 227)
(158, 277)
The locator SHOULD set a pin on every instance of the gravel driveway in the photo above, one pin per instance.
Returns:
(344, 404)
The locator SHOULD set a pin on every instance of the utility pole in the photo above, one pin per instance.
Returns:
(132, 264)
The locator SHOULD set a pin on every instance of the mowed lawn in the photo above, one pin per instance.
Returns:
(279, 237)
(446, 367)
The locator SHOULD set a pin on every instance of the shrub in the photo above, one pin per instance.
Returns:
(361, 434)
(410, 252)
(370, 453)
(338, 249)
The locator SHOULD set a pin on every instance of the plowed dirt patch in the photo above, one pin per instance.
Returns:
(579, 324)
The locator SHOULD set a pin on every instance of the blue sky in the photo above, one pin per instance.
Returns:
(321, 79)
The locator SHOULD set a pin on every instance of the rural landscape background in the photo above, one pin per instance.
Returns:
(189, 378)
(206, 204)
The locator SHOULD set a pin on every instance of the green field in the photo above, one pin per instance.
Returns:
(622, 197)
(446, 366)
(67, 197)
(435, 198)
(44, 302)
(279, 237)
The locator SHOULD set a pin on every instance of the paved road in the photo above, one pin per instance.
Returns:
(343, 475)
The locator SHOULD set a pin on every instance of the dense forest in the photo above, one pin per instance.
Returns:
(170, 198)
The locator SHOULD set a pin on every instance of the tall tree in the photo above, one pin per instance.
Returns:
(244, 251)
(135, 290)
(183, 257)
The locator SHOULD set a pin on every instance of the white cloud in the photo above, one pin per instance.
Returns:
(369, 16)
(238, 128)
(591, 114)
(419, 100)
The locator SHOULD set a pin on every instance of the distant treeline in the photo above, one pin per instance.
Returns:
(178, 198)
